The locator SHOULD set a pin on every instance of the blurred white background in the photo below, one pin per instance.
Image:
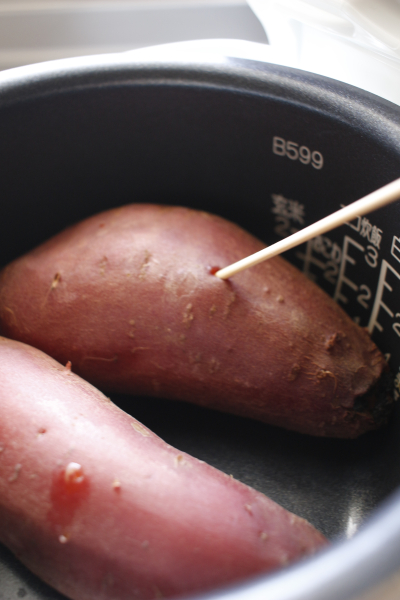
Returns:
(39, 30)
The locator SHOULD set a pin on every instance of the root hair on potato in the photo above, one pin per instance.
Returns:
(332, 341)
(179, 461)
(101, 358)
(15, 474)
(56, 281)
(321, 374)
(295, 372)
(231, 301)
(103, 266)
(212, 311)
(145, 265)
(140, 429)
(188, 315)
(214, 366)
(158, 366)
(12, 313)
(54, 284)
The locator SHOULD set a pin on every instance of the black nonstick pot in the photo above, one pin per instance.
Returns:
(273, 149)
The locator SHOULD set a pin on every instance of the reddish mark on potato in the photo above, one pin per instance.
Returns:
(116, 485)
(70, 488)
(213, 270)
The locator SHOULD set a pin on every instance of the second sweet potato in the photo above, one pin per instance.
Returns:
(101, 508)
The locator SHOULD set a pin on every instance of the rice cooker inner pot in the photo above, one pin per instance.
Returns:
(271, 148)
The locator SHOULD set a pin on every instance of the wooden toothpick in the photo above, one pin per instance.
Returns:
(385, 195)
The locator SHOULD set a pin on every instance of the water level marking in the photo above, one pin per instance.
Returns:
(342, 278)
(379, 303)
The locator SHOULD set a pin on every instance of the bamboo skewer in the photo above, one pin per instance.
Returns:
(381, 197)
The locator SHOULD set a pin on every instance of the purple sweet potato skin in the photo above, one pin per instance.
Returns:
(100, 507)
(128, 298)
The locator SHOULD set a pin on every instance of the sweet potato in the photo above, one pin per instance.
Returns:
(100, 507)
(128, 297)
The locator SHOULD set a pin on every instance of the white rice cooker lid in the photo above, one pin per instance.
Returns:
(355, 41)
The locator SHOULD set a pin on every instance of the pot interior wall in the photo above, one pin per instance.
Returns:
(72, 153)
